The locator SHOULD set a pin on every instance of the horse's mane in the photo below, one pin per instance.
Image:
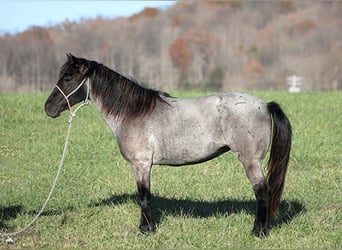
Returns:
(121, 96)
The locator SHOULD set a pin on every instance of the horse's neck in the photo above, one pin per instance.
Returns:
(112, 122)
(126, 100)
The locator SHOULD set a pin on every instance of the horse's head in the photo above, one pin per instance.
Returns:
(69, 87)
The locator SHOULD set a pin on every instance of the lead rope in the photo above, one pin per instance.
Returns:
(7, 236)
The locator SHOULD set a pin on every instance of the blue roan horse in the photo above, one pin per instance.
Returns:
(153, 128)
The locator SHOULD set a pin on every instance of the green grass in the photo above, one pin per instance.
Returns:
(210, 205)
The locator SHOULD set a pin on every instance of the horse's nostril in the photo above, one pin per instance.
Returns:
(51, 111)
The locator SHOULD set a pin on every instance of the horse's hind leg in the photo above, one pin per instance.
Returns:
(255, 175)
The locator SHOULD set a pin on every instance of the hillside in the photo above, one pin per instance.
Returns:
(221, 46)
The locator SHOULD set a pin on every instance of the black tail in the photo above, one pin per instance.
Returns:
(279, 156)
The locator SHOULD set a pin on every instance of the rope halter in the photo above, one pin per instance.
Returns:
(66, 97)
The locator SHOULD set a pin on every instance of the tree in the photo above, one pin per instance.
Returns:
(180, 55)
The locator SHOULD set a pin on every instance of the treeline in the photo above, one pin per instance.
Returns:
(218, 46)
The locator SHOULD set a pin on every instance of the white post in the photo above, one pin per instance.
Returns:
(295, 83)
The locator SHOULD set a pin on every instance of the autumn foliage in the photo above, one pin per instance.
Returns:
(180, 54)
(202, 39)
(147, 12)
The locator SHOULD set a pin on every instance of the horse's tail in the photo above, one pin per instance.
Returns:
(279, 156)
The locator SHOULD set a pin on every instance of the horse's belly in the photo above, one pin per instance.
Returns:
(182, 160)
(188, 151)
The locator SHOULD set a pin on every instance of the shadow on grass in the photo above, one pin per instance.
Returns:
(162, 207)
(11, 212)
(8, 213)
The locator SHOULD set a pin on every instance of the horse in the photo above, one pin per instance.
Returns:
(153, 128)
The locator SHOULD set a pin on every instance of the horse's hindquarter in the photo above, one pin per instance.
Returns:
(246, 125)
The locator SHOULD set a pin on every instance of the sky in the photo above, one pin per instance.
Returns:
(18, 15)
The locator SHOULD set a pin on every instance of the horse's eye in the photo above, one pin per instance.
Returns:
(67, 78)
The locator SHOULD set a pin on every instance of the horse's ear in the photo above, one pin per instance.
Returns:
(74, 60)
(70, 57)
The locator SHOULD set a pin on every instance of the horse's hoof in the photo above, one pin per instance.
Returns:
(260, 232)
(147, 229)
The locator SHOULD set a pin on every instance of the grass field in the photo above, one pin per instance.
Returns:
(210, 205)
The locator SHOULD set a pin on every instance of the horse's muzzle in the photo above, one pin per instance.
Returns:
(51, 110)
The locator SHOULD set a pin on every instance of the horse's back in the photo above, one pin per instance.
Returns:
(231, 108)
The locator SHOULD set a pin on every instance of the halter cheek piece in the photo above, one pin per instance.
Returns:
(66, 97)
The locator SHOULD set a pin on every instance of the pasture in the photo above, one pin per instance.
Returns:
(210, 205)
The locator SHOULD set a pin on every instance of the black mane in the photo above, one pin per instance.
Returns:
(119, 95)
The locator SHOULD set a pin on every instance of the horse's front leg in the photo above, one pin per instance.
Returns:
(142, 176)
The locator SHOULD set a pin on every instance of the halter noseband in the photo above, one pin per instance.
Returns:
(66, 97)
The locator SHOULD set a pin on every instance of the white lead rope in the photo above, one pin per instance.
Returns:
(7, 236)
